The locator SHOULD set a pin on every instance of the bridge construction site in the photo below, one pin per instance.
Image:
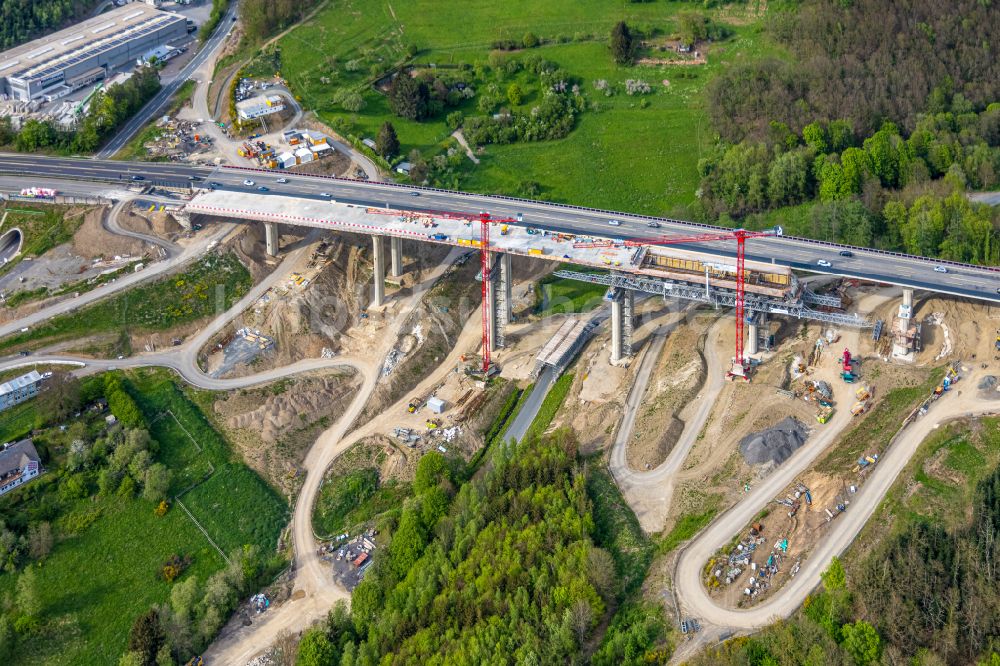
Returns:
(655, 267)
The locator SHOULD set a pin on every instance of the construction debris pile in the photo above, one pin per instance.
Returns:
(774, 445)
(176, 139)
(747, 556)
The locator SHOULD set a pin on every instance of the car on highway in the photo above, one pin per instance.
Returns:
(248, 182)
(261, 188)
(192, 177)
(520, 217)
(281, 180)
(653, 225)
(214, 184)
(138, 178)
(614, 223)
(846, 253)
(824, 263)
(414, 194)
(940, 269)
(325, 194)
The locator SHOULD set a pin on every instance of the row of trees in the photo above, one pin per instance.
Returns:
(109, 109)
(171, 632)
(508, 573)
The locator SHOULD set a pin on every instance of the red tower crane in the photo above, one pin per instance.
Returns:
(740, 236)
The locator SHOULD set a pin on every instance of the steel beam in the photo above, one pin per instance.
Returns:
(716, 296)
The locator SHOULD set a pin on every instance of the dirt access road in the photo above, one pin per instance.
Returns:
(314, 589)
(649, 494)
(692, 593)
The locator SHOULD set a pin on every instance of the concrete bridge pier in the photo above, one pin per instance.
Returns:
(378, 255)
(271, 238)
(622, 307)
(498, 297)
(908, 298)
(506, 289)
(396, 256)
(753, 332)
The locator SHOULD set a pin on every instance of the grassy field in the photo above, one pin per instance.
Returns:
(231, 502)
(625, 153)
(209, 286)
(555, 295)
(103, 571)
(550, 405)
(946, 468)
(95, 583)
(43, 227)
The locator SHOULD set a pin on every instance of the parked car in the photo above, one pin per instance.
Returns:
(824, 263)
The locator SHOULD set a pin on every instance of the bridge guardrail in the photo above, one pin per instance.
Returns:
(611, 213)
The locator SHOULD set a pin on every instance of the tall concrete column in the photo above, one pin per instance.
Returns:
(379, 277)
(907, 297)
(396, 256)
(271, 238)
(753, 336)
(617, 328)
(507, 287)
(491, 304)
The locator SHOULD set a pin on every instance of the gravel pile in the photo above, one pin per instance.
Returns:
(988, 383)
(775, 444)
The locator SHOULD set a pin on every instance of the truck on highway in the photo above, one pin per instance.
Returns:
(38, 192)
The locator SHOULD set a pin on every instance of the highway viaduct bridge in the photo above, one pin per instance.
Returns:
(588, 237)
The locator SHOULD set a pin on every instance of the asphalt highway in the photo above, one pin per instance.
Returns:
(979, 282)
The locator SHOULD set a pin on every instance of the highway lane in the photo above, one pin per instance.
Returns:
(154, 106)
(904, 270)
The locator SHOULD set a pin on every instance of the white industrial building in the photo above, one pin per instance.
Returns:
(262, 105)
(55, 65)
(19, 389)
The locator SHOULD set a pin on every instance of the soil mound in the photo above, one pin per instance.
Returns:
(775, 444)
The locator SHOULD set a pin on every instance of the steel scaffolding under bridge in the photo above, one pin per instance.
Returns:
(715, 296)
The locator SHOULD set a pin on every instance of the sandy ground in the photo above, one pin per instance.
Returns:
(273, 427)
(971, 331)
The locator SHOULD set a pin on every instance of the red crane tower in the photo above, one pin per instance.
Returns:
(740, 235)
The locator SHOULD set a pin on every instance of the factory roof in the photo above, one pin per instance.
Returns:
(46, 55)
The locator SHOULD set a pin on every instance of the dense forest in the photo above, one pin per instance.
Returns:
(886, 113)
(865, 61)
(24, 20)
(108, 110)
(263, 18)
(503, 570)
